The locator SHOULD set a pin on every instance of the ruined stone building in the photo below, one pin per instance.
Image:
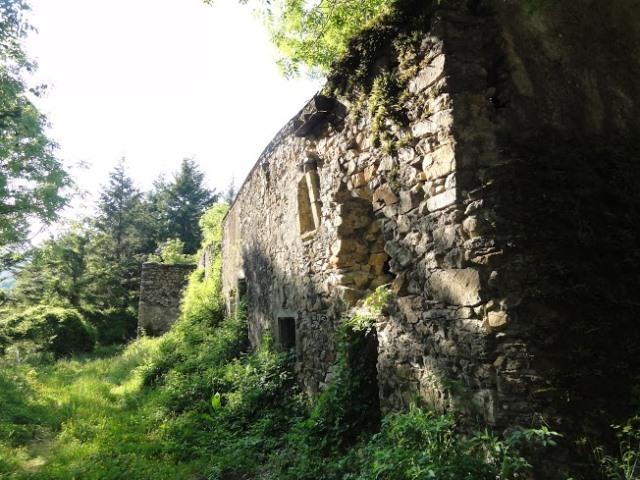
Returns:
(485, 166)
(161, 288)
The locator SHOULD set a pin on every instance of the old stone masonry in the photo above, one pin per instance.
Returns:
(161, 288)
(494, 185)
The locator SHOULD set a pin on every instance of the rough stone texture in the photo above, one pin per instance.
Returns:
(160, 292)
(506, 221)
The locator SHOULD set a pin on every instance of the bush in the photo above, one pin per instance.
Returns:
(625, 464)
(202, 303)
(112, 325)
(56, 330)
(171, 252)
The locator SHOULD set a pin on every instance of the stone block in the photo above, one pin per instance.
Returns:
(358, 180)
(428, 75)
(384, 196)
(455, 286)
(349, 296)
(440, 162)
(410, 308)
(485, 401)
(409, 199)
(423, 128)
(347, 252)
(370, 172)
(444, 238)
(399, 285)
(376, 262)
(399, 253)
(497, 319)
(440, 123)
(407, 155)
(441, 200)
(313, 184)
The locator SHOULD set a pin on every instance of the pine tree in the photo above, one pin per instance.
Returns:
(117, 249)
(183, 201)
(119, 208)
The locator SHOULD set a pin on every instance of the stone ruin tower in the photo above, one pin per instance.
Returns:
(497, 192)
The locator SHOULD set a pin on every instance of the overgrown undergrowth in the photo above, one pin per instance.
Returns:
(198, 404)
(195, 405)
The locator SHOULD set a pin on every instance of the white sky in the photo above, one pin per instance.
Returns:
(156, 81)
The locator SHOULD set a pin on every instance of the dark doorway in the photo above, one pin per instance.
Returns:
(287, 332)
(242, 288)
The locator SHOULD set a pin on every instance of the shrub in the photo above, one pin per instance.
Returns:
(112, 325)
(211, 224)
(56, 330)
(172, 252)
(625, 465)
(202, 303)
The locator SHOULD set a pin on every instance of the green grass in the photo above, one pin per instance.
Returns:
(86, 418)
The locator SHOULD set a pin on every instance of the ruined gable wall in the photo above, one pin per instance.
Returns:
(384, 216)
(497, 211)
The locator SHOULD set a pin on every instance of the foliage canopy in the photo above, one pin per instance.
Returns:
(32, 178)
(313, 35)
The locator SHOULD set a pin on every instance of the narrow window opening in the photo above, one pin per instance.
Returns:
(242, 288)
(309, 206)
(241, 293)
(287, 332)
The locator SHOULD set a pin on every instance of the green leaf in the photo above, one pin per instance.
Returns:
(216, 401)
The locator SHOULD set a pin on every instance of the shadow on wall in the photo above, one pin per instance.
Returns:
(312, 333)
(516, 278)
(550, 166)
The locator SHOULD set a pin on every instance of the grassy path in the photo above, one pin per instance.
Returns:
(84, 419)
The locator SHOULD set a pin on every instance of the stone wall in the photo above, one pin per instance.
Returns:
(498, 207)
(161, 288)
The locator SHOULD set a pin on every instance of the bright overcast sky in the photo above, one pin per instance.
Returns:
(159, 80)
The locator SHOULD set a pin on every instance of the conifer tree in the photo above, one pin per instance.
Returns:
(119, 206)
(181, 202)
(230, 194)
(116, 250)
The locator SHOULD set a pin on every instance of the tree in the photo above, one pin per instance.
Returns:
(55, 273)
(117, 249)
(314, 35)
(119, 207)
(32, 178)
(181, 202)
(170, 252)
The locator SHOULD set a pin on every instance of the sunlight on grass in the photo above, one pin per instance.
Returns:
(82, 418)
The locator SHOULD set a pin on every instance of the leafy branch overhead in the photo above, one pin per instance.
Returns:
(32, 178)
(313, 35)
